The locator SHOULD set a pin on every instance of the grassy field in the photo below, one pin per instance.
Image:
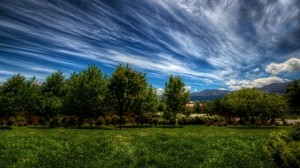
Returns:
(191, 146)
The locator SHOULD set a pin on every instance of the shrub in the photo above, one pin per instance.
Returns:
(53, 122)
(182, 121)
(100, 121)
(284, 148)
(91, 122)
(115, 120)
(21, 121)
(2, 122)
(107, 120)
(154, 121)
(10, 121)
(42, 121)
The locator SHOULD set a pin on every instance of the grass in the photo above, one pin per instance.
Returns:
(191, 146)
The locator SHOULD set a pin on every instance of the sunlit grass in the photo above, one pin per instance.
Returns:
(191, 146)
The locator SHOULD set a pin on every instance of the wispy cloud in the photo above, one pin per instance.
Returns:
(208, 42)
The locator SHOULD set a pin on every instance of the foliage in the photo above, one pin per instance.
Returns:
(249, 104)
(284, 148)
(53, 94)
(293, 96)
(100, 121)
(175, 96)
(85, 93)
(125, 91)
(197, 108)
(20, 95)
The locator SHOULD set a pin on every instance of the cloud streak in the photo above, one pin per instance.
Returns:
(206, 42)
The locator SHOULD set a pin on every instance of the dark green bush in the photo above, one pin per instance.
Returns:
(100, 121)
(284, 148)
(182, 121)
(2, 122)
(53, 122)
(21, 121)
(10, 121)
(115, 119)
(107, 120)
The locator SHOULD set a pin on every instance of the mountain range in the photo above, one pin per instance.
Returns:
(211, 94)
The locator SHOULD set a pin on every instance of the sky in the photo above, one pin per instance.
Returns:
(210, 44)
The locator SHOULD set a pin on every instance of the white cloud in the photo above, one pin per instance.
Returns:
(257, 83)
(160, 91)
(256, 70)
(291, 65)
(187, 88)
(222, 89)
(195, 90)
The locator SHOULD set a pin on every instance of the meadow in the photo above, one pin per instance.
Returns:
(190, 146)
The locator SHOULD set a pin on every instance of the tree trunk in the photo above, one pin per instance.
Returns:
(120, 121)
(252, 121)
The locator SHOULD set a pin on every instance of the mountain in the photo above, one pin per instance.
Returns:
(208, 94)
(275, 88)
(212, 94)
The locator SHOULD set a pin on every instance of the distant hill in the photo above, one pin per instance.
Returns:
(208, 94)
(275, 88)
(212, 94)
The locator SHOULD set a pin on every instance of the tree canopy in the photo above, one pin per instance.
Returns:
(292, 96)
(126, 88)
(175, 96)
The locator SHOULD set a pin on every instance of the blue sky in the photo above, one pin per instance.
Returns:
(211, 44)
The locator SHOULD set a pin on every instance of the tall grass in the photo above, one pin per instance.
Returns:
(191, 146)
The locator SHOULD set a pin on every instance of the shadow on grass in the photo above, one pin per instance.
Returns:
(256, 127)
(39, 127)
(169, 126)
(134, 126)
(91, 128)
(72, 127)
(5, 128)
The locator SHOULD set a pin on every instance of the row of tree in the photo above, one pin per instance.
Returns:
(88, 94)
(250, 104)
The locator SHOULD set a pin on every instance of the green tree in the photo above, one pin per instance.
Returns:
(152, 101)
(292, 96)
(85, 93)
(124, 90)
(197, 108)
(274, 105)
(1, 102)
(252, 103)
(175, 96)
(21, 96)
(53, 94)
(146, 103)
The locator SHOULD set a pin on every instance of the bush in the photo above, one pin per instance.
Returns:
(10, 121)
(68, 121)
(100, 121)
(42, 121)
(107, 120)
(284, 148)
(53, 122)
(2, 122)
(182, 121)
(115, 120)
(21, 121)
(91, 122)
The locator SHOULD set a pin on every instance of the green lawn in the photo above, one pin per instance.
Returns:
(191, 146)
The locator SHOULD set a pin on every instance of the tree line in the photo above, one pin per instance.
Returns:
(93, 97)
(88, 94)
